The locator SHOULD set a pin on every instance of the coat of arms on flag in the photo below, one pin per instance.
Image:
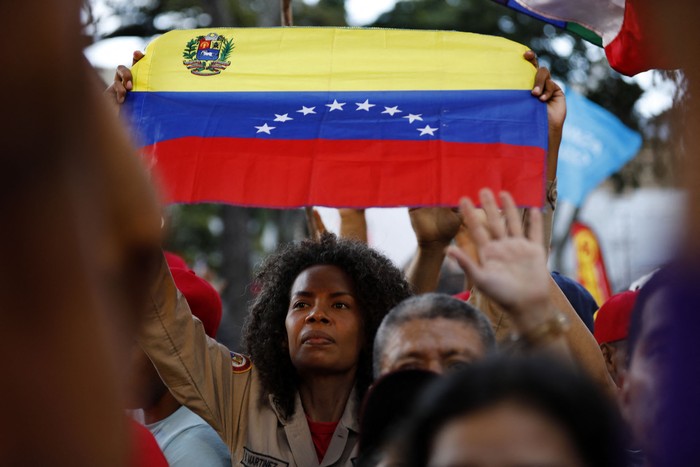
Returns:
(207, 55)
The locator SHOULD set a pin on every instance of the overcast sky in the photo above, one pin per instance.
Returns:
(361, 12)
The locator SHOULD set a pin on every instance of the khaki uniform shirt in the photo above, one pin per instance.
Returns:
(224, 389)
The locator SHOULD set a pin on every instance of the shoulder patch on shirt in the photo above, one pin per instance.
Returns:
(254, 459)
(240, 363)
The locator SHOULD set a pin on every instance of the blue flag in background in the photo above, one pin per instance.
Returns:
(594, 146)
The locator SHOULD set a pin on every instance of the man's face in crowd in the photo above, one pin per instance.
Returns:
(615, 354)
(438, 345)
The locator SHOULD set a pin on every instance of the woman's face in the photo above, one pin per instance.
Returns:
(508, 434)
(324, 322)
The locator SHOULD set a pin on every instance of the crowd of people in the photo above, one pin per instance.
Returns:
(333, 322)
(348, 360)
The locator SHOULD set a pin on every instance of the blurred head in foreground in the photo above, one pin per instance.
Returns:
(80, 243)
(385, 408)
(659, 394)
(504, 412)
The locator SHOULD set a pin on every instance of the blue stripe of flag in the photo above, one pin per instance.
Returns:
(510, 116)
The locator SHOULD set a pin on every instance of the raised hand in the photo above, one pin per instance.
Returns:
(548, 91)
(511, 267)
(434, 226)
(123, 82)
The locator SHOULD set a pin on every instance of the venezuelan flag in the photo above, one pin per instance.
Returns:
(340, 117)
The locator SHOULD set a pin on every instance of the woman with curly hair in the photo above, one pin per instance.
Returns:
(309, 333)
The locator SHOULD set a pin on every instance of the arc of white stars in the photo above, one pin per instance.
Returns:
(265, 128)
(335, 105)
(282, 118)
(413, 117)
(364, 105)
(427, 130)
(392, 110)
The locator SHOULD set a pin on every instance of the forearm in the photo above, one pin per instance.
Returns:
(424, 271)
(575, 342)
(550, 202)
(553, 144)
(353, 224)
(195, 368)
(581, 342)
(542, 329)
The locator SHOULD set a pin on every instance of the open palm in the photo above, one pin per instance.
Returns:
(511, 267)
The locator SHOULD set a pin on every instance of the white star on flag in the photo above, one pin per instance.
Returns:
(412, 118)
(335, 105)
(306, 110)
(427, 131)
(265, 128)
(282, 118)
(392, 110)
(364, 105)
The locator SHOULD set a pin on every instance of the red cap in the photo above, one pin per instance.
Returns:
(203, 299)
(175, 261)
(613, 318)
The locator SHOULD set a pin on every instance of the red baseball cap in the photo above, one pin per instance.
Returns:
(174, 260)
(201, 296)
(613, 318)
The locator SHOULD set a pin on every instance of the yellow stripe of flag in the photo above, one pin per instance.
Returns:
(339, 59)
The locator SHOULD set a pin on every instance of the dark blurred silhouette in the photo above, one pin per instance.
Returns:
(81, 228)
(513, 411)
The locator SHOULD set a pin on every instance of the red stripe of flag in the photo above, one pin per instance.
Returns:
(295, 173)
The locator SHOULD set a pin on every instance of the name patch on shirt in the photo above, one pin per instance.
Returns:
(239, 363)
(254, 459)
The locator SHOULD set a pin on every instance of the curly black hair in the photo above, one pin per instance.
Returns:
(379, 285)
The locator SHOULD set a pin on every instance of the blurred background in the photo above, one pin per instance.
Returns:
(633, 207)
